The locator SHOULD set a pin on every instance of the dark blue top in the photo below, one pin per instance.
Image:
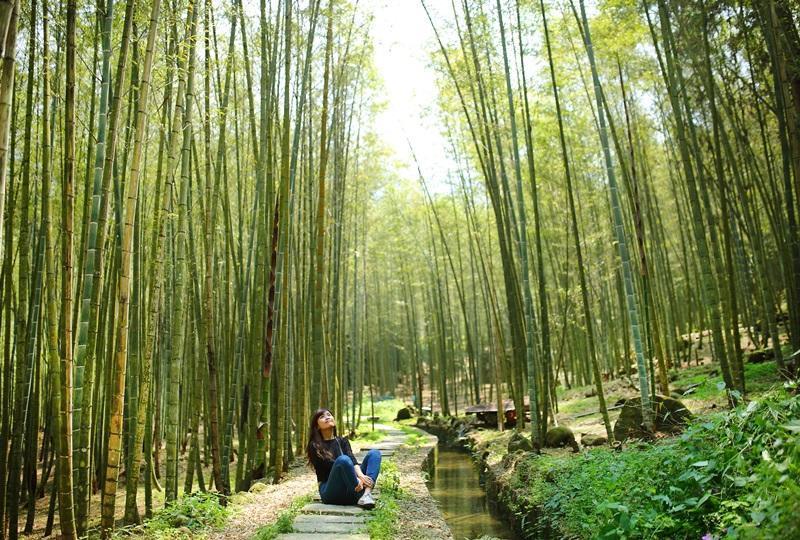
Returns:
(338, 446)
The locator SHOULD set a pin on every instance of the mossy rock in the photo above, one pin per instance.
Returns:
(670, 415)
(760, 356)
(180, 520)
(519, 442)
(239, 498)
(594, 440)
(559, 437)
(258, 487)
(404, 414)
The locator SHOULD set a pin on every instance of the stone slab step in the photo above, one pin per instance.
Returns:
(335, 509)
(329, 518)
(384, 453)
(327, 527)
(375, 492)
(323, 536)
(383, 448)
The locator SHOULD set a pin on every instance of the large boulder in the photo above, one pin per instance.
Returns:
(559, 437)
(239, 498)
(588, 439)
(258, 487)
(760, 356)
(670, 415)
(404, 413)
(519, 442)
(180, 520)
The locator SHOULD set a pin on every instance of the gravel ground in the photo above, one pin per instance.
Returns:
(254, 510)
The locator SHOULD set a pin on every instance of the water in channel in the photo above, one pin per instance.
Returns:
(455, 485)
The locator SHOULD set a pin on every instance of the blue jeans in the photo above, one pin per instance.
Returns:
(341, 485)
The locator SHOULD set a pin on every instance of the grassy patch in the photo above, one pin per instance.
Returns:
(385, 410)
(190, 517)
(283, 523)
(578, 405)
(760, 378)
(370, 436)
(414, 440)
(383, 524)
(733, 474)
(492, 441)
(413, 436)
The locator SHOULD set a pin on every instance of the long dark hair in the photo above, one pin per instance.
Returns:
(315, 448)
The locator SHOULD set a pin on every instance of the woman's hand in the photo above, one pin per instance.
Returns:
(364, 481)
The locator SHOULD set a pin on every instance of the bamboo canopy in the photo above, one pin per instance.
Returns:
(205, 235)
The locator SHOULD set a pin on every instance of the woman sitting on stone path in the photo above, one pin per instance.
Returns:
(341, 480)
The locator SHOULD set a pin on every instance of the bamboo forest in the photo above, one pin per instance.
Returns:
(538, 258)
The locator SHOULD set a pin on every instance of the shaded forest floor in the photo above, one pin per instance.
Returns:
(577, 409)
(698, 387)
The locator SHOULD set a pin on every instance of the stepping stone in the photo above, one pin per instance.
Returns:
(316, 518)
(324, 536)
(383, 446)
(384, 453)
(335, 509)
(376, 492)
(327, 527)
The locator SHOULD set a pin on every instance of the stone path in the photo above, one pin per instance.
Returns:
(329, 521)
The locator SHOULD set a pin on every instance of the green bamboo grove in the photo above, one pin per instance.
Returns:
(204, 238)
(181, 192)
(657, 145)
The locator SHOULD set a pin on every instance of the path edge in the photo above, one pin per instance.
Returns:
(414, 473)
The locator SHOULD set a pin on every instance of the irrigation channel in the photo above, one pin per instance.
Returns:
(455, 485)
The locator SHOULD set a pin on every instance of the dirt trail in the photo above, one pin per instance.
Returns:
(418, 514)
(253, 510)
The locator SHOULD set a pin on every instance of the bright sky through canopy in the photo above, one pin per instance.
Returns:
(403, 42)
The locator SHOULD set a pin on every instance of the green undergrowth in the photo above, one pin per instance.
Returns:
(283, 523)
(414, 439)
(385, 410)
(760, 378)
(191, 517)
(383, 522)
(370, 436)
(734, 474)
(704, 384)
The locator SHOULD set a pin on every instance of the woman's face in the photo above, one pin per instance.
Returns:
(326, 421)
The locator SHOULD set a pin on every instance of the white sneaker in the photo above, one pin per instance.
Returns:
(366, 501)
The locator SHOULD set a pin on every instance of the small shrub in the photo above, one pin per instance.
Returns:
(187, 518)
(389, 479)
